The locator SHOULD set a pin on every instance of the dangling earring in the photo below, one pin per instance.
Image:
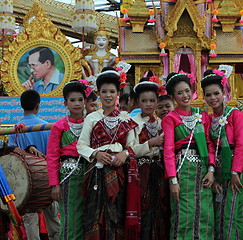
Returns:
(224, 102)
(206, 107)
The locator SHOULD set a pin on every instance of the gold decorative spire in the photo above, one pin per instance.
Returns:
(102, 31)
(35, 11)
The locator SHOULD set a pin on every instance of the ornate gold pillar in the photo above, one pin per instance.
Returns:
(171, 59)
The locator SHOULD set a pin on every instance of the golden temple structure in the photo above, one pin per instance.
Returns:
(190, 39)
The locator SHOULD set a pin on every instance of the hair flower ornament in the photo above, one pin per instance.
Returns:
(161, 91)
(88, 89)
(123, 78)
(223, 121)
(154, 79)
(222, 74)
(119, 69)
(190, 76)
(124, 116)
(198, 117)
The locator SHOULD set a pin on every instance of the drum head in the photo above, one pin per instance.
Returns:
(18, 177)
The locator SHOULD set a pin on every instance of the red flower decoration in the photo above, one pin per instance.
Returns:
(161, 90)
(123, 77)
(154, 79)
(123, 84)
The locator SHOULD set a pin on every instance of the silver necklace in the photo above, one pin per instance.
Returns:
(189, 121)
(111, 122)
(152, 128)
(215, 122)
(75, 128)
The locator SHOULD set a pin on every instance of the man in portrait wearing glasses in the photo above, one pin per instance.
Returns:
(41, 65)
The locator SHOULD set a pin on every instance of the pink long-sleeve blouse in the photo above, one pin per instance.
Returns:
(234, 132)
(169, 123)
(55, 151)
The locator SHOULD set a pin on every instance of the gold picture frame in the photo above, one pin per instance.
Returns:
(39, 32)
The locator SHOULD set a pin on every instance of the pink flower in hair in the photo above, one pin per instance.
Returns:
(224, 78)
(88, 89)
(218, 72)
(85, 82)
(224, 81)
(118, 68)
(154, 79)
(192, 78)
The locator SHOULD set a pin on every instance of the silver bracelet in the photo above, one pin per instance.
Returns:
(211, 169)
(173, 180)
(234, 173)
(126, 152)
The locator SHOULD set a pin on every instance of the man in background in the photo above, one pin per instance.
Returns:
(30, 102)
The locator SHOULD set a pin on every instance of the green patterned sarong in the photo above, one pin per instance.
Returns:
(223, 214)
(232, 224)
(71, 206)
(193, 216)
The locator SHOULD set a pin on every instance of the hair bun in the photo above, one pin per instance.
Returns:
(207, 72)
(169, 76)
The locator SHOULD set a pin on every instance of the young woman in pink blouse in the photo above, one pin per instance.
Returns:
(65, 168)
(226, 132)
(189, 163)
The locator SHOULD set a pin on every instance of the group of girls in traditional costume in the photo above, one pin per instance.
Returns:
(123, 184)
(226, 132)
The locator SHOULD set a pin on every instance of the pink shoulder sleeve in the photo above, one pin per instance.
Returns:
(237, 161)
(169, 147)
(54, 153)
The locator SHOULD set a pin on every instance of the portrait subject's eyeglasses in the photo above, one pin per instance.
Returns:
(33, 66)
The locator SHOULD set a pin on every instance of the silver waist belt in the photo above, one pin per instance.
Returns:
(141, 161)
(69, 165)
(191, 155)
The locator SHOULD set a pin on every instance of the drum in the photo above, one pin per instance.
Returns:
(28, 179)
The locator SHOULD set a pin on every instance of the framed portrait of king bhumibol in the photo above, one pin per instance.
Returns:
(41, 68)
(40, 58)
